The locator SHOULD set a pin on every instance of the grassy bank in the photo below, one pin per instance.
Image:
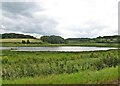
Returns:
(104, 76)
(60, 67)
(37, 44)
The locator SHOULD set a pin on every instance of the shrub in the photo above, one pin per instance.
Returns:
(4, 59)
(23, 42)
(28, 42)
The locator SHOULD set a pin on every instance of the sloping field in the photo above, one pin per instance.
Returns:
(19, 40)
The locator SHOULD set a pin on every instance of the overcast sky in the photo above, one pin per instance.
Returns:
(66, 18)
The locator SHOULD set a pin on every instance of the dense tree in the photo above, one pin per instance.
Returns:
(77, 40)
(104, 39)
(53, 39)
(15, 35)
(58, 40)
(23, 41)
(108, 39)
(28, 42)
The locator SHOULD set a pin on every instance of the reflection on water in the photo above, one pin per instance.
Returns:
(61, 48)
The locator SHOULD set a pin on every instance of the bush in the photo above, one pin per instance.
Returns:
(23, 42)
(28, 42)
(4, 59)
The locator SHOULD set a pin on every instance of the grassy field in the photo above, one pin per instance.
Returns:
(18, 40)
(94, 77)
(46, 44)
(93, 67)
(38, 42)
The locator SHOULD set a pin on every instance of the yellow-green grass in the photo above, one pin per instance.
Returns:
(37, 43)
(0, 69)
(104, 76)
(59, 67)
(19, 40)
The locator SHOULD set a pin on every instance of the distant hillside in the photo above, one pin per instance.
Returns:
(57, 39)
(104, 39)
(15, 35)
(77, 40)
(108, 39)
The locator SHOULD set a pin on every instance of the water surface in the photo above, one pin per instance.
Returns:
(61, 48)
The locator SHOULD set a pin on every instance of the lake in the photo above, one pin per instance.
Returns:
(61, 48)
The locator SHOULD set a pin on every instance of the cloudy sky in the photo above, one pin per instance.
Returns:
(66, 18)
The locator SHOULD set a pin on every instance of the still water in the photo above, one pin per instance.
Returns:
(61, 48)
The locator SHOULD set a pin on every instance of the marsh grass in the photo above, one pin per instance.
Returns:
(60, 67)
(104, 76)
(37, 43)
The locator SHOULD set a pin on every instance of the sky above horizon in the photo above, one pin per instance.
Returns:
(66, 18)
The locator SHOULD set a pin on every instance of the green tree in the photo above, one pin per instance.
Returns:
(23, 41)
(28, 42)
(53, 39)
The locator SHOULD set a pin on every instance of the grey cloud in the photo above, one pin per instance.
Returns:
(16, 17)
(18, 8)
(92, 29)
(43, 25)
(20, 17)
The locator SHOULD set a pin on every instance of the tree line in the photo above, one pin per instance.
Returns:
(100, 39)
(15, 35)
(53, 39)
(60, 40)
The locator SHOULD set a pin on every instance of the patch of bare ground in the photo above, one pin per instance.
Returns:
(116, 82)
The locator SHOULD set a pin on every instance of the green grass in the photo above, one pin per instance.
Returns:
(104, 76)
(60, 67)
(37, 44)
(19, 40)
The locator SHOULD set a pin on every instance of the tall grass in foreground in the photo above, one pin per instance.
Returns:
(61, 67)
(104, 76)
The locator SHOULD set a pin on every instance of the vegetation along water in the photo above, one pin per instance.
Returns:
(91, 67)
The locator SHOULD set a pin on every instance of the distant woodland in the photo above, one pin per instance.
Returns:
(15, 35)
(60, 40)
